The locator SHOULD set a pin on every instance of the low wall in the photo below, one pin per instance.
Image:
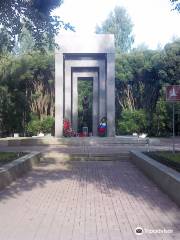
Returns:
(17, 168)
(166, 178)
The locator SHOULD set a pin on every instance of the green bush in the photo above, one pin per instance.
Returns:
(46, 125)
(162, 119)
(132, 121)
(34, 127)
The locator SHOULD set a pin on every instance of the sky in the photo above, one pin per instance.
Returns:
(155, 24)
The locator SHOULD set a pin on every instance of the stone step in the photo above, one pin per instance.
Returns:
(89, 141)
(52, 156)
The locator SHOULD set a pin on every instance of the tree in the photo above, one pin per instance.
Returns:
(137, 80)
(140, 79)
(119, 24)
(132, 121)
(26, 89)
(176, 4)
(172, 62)
(25, 43)
(162, 118)
(35, 15)
(6, 43)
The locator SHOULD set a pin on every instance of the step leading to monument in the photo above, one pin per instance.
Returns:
(61, 157)
(88, 141)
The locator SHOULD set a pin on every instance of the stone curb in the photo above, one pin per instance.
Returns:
(17, 168)
(166, 178)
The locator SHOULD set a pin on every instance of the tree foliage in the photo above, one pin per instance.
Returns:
(176, 4)
(25, 43)
(132, 121)
(36, 126)
(27, 85)
(27, 90)
(161, 119)
(171, 59)
(119, 24)
(140, 80)
(137, 80)
(35, 15)
(6, 43)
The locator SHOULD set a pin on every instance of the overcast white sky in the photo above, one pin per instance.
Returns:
(154, 22)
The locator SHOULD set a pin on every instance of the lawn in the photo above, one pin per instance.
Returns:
(7, 157)
(167, 158)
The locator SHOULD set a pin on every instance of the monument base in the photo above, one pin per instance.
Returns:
(74, 141)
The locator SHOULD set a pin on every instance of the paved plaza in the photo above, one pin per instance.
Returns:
(86, 200)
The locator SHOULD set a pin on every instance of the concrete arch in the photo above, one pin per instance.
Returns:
(94, 51)
(75, 76)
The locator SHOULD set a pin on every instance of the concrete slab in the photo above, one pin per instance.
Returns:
(85, 43)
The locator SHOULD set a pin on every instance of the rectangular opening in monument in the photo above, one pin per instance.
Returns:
(85, 104)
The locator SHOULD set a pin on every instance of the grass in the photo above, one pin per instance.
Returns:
(7, 157)
(168, 158)
(172, 157)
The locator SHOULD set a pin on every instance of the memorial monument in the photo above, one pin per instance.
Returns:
(82, 56)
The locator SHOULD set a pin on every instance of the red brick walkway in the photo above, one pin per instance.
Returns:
(86, 200)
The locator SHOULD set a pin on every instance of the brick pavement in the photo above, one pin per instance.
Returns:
(85, 200)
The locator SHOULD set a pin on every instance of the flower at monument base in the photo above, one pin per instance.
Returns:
(67, 130)
(102, 127)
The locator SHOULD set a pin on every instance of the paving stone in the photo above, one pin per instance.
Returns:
(86, 200)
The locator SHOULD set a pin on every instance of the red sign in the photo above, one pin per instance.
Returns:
(173, 93)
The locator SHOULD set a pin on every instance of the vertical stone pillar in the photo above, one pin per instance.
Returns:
(59, 104)
(95, 103)
(110, 94)
(75, 101)
(102, 90)
(67, 88)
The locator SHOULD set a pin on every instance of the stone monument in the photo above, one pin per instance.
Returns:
(85, 56)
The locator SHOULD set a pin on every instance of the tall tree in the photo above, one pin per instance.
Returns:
(139, 77)
(172, 62)
(35, 15)
(119, 24)
(26, 87)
